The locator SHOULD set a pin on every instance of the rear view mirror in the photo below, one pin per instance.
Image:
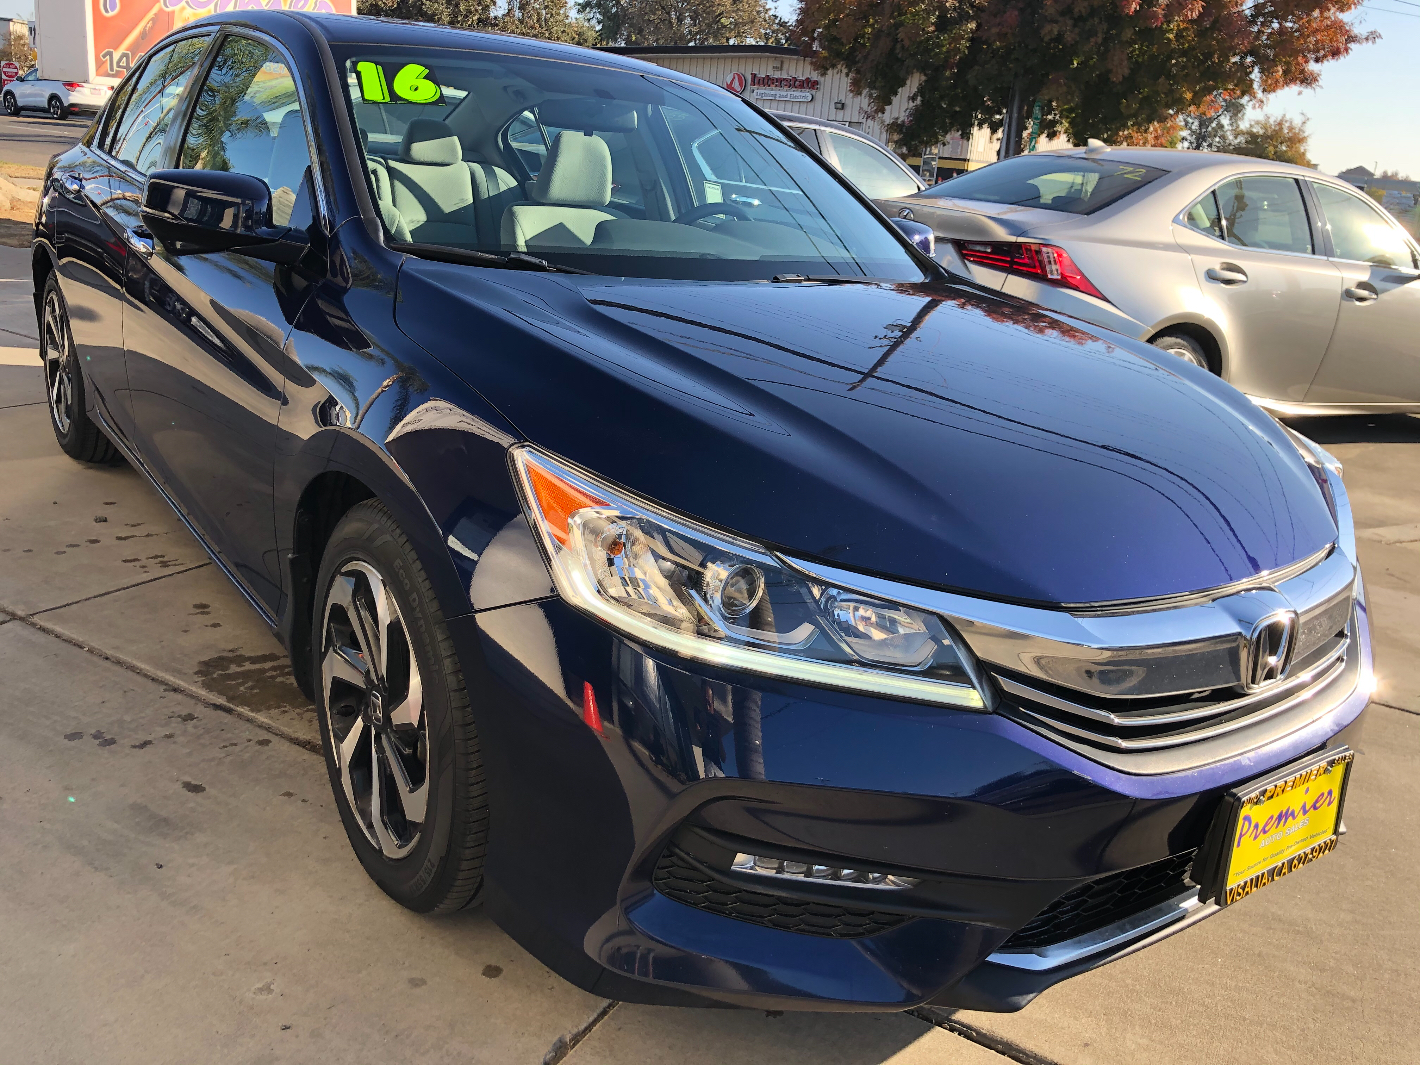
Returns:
(193, 211)
(919, 233)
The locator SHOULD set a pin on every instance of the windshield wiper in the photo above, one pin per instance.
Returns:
(513, 260)
(829, 279)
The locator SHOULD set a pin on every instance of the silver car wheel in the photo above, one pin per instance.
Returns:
(11, 107)
(374, 702)
(58, 365)
(56, 108)
(1188, 355)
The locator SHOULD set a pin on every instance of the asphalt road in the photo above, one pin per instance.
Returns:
(33, 138)
(177, 886)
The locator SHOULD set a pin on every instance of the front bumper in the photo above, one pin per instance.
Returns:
(994, 819)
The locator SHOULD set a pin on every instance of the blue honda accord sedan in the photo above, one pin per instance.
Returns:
(684, 566)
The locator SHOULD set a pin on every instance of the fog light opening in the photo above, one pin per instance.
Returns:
(790, 870)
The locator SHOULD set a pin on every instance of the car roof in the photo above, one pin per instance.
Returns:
(365, 29)
(1180, 160)
(791, 119)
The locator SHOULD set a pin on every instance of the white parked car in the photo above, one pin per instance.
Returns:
(59, 98)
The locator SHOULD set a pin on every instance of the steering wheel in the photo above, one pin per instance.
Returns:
(705, 210)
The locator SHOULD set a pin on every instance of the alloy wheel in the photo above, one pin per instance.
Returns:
(11, 107)
(374, 702)
(58, 364)
(1187, 354)
(56, 108)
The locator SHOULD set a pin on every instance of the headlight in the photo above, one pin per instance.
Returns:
(708, 596)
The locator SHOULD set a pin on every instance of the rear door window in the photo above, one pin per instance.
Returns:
(1265, 212)
(1205, 217)
(877, 176)
(1071, 183)
(138, 137)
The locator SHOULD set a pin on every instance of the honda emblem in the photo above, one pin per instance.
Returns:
(1269, 649)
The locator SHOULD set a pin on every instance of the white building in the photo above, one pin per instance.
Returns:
(780, 79)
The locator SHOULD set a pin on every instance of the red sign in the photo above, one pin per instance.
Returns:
(735, 83)
(8, 72)
(770, 81)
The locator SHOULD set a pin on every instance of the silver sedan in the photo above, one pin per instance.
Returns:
(1289, 284)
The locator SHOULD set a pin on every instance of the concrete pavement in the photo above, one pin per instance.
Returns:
(198, 894)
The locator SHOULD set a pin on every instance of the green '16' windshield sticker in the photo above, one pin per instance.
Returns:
(384, 83)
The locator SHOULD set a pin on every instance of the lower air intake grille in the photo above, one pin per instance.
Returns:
(1104, 901)
(680, 879)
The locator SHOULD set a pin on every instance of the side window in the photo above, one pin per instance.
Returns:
(247, 120)
(138, 137)
(877, 176)
(31, 74)
(1360, 232)
(117, 102)
(525, 138)
(1205, 217)
(808, 135)
(1266, 213)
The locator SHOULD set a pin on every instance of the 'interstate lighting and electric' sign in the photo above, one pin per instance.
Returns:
(772, 87)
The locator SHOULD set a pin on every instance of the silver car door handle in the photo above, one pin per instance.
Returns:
(140, 240)
(1226, 275)
(1361, 295)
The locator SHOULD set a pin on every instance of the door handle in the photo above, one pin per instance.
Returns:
(140, 240)
(1226, 274)
(1361, 294)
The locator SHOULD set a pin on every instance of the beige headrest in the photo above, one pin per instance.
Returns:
(431, 142)
(577, 172)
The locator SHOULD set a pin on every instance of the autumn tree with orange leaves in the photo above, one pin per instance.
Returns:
(1099, 68)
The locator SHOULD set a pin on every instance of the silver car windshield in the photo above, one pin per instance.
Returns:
(1055, 182)
(603, 170)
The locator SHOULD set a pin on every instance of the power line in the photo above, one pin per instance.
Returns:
(1388, 11)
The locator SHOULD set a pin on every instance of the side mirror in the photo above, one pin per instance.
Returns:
(213, 210)
(919, 233)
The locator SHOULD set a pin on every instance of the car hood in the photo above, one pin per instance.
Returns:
(925, 432)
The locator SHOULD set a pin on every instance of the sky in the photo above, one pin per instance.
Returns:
(1362, 114)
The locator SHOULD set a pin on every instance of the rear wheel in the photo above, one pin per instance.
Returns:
(1185, 347)
(11, 107)
(399, 739)
(77, 434)
(57, 109)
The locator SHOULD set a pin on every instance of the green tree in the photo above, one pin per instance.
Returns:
(1098, 67)
(1280, 139)
(686, 22)
(465, 14)
(548, 20)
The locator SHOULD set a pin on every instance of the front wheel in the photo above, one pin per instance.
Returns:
(76, 432)
(12, 108)
(400, 744)
(57, 109)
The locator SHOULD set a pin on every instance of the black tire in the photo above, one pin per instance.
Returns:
(79, 437)
(442, 868)
(57, 109)
(1186, 348)
(11, 107)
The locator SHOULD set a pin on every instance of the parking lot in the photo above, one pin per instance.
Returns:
(178, 886)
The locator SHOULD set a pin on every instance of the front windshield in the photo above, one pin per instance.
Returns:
(602, 170)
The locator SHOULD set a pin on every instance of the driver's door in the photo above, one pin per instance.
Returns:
(1374, 354)
(26, 89)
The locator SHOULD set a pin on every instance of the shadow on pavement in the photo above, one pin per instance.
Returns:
(1360, 429)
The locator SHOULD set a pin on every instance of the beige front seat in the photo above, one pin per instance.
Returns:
(432, 187)
(567, 197)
